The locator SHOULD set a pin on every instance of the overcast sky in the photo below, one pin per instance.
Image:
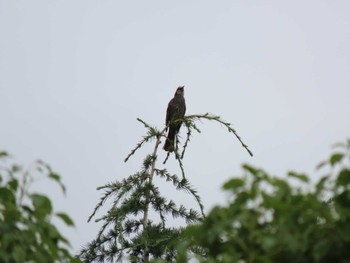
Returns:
(75, 75)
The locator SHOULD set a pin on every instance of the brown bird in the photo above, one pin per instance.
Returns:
(176, 110)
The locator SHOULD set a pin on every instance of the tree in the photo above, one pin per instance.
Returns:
(128, 230)
(274, 219)
(27, 232)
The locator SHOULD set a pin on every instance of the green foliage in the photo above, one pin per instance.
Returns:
(27, 234)
(273, 219)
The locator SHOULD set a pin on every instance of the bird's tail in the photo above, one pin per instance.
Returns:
(169, 143)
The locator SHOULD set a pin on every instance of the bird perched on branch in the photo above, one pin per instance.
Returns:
(176, 110)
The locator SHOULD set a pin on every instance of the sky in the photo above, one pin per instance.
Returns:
(75, 75)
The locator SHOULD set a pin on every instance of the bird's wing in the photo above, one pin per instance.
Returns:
(169, 112)
(183, 114)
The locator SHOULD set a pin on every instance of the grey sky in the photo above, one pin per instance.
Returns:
(75, 75)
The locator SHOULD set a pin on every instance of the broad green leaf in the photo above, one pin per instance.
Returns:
(253, 171)
(283, 189)
(52, 232)
(3, 154)
(344, 177)
(233, 184)
(13, 184)
(7, 195)
(301, 177)
(336, 158)
(27, 209)
(344, 199)
(42, 204)
(16, 168)
(11, 214)
(321, 184)
(321, 164)
(65, 218)
(56, 177)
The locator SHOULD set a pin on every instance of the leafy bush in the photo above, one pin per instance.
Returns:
(273, 219)
(27, 233)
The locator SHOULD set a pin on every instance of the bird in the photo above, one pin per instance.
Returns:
(176, 110)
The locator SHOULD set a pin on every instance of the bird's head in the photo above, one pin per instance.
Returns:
(180, 91)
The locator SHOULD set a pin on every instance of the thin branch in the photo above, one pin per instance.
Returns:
(145, 215)
(181, 184)
(152, 133)
(218, 119)
(179, 159)
(188, 135)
